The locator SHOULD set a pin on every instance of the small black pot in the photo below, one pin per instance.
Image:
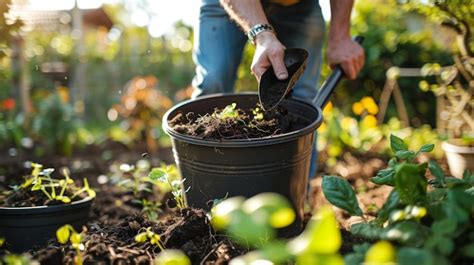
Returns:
(25, 228)
(219, 169)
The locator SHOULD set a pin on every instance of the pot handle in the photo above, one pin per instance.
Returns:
(321, 99)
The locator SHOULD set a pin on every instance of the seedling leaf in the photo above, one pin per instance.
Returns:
(437, 171)
(397, 144)
(426, 148)
(63, 234)
(340, 193)
(410, 183)
(385, 177)
(158, 174)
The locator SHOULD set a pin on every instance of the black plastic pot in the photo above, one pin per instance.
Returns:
(219, 169)
(25, 228)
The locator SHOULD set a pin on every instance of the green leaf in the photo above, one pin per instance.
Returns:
(357, 257)
(405, 155)
(426, 148)
(367, 230)
(408, 232)
(410, 183)
(410, 256)
(444, 227)
(392, 202)
(436, 170)
(397, 144)
(340, 193)
(468, 250)
(158, 174)
(63, 233)
(172, 257)
(385, 177)
(446, 246)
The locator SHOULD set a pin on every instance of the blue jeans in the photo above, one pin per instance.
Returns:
(219, 44)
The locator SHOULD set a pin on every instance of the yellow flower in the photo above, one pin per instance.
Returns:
(357, 108)
(327, 109)
(370, 105)
(369, 121)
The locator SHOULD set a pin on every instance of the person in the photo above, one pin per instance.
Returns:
(271, 25)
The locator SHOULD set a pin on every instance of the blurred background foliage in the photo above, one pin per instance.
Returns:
(396, 34)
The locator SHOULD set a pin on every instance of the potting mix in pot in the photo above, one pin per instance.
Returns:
(233, 122)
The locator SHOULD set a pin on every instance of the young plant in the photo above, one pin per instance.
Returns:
(67, 233)
(149, 235)
(59, 190)
(230, 111)
(164, 174)
(150, 209)
(430, 225)
(133, 177)
(254, 221)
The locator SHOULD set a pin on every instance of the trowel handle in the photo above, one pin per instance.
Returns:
(331, 82)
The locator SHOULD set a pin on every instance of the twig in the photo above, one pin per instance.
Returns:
(210, 253)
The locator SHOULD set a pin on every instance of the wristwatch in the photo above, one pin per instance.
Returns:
(257, 29)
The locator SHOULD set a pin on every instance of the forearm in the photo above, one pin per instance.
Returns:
(247, 13)
(340, 19)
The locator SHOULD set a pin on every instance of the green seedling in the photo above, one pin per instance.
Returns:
(258, 113)
(18, 259)
(424, 223)
(163, 174)
(150, 209)
(66, 234)
(54, 189)
(230, 111)
(134, 178)
(149, 236)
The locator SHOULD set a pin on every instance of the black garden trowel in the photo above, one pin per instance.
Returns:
(271, 90)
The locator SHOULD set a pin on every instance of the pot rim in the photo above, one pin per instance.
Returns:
(453, 148)
(253, 142)
(45, 208)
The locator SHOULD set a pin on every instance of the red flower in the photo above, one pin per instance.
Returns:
(8, 104)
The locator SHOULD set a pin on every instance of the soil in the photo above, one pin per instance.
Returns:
(243, 126)
(28, 198)
(116, 219)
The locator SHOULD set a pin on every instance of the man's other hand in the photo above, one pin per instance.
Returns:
(348, 53)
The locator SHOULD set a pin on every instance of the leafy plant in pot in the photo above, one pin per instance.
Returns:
(31, 213)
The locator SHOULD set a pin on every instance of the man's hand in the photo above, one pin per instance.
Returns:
(348, 53)
(269, 52)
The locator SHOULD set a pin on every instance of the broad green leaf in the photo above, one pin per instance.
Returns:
(381, 252)
(444, 227)
(410, 256)
(385, 177)
(63, 233)
(397, 144)
(426, 148)
(446, 246)
(410, 183)
(157, 174)
(410, 233)
(468, 250)
(314, 259)
(357, 257)
(276, 252)
(340, 193)
(273, 206)
(405, 155)
(436, 170)
(222, 213)
(367, 230)
(321, 236)
(468, 176)
(392, 202)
